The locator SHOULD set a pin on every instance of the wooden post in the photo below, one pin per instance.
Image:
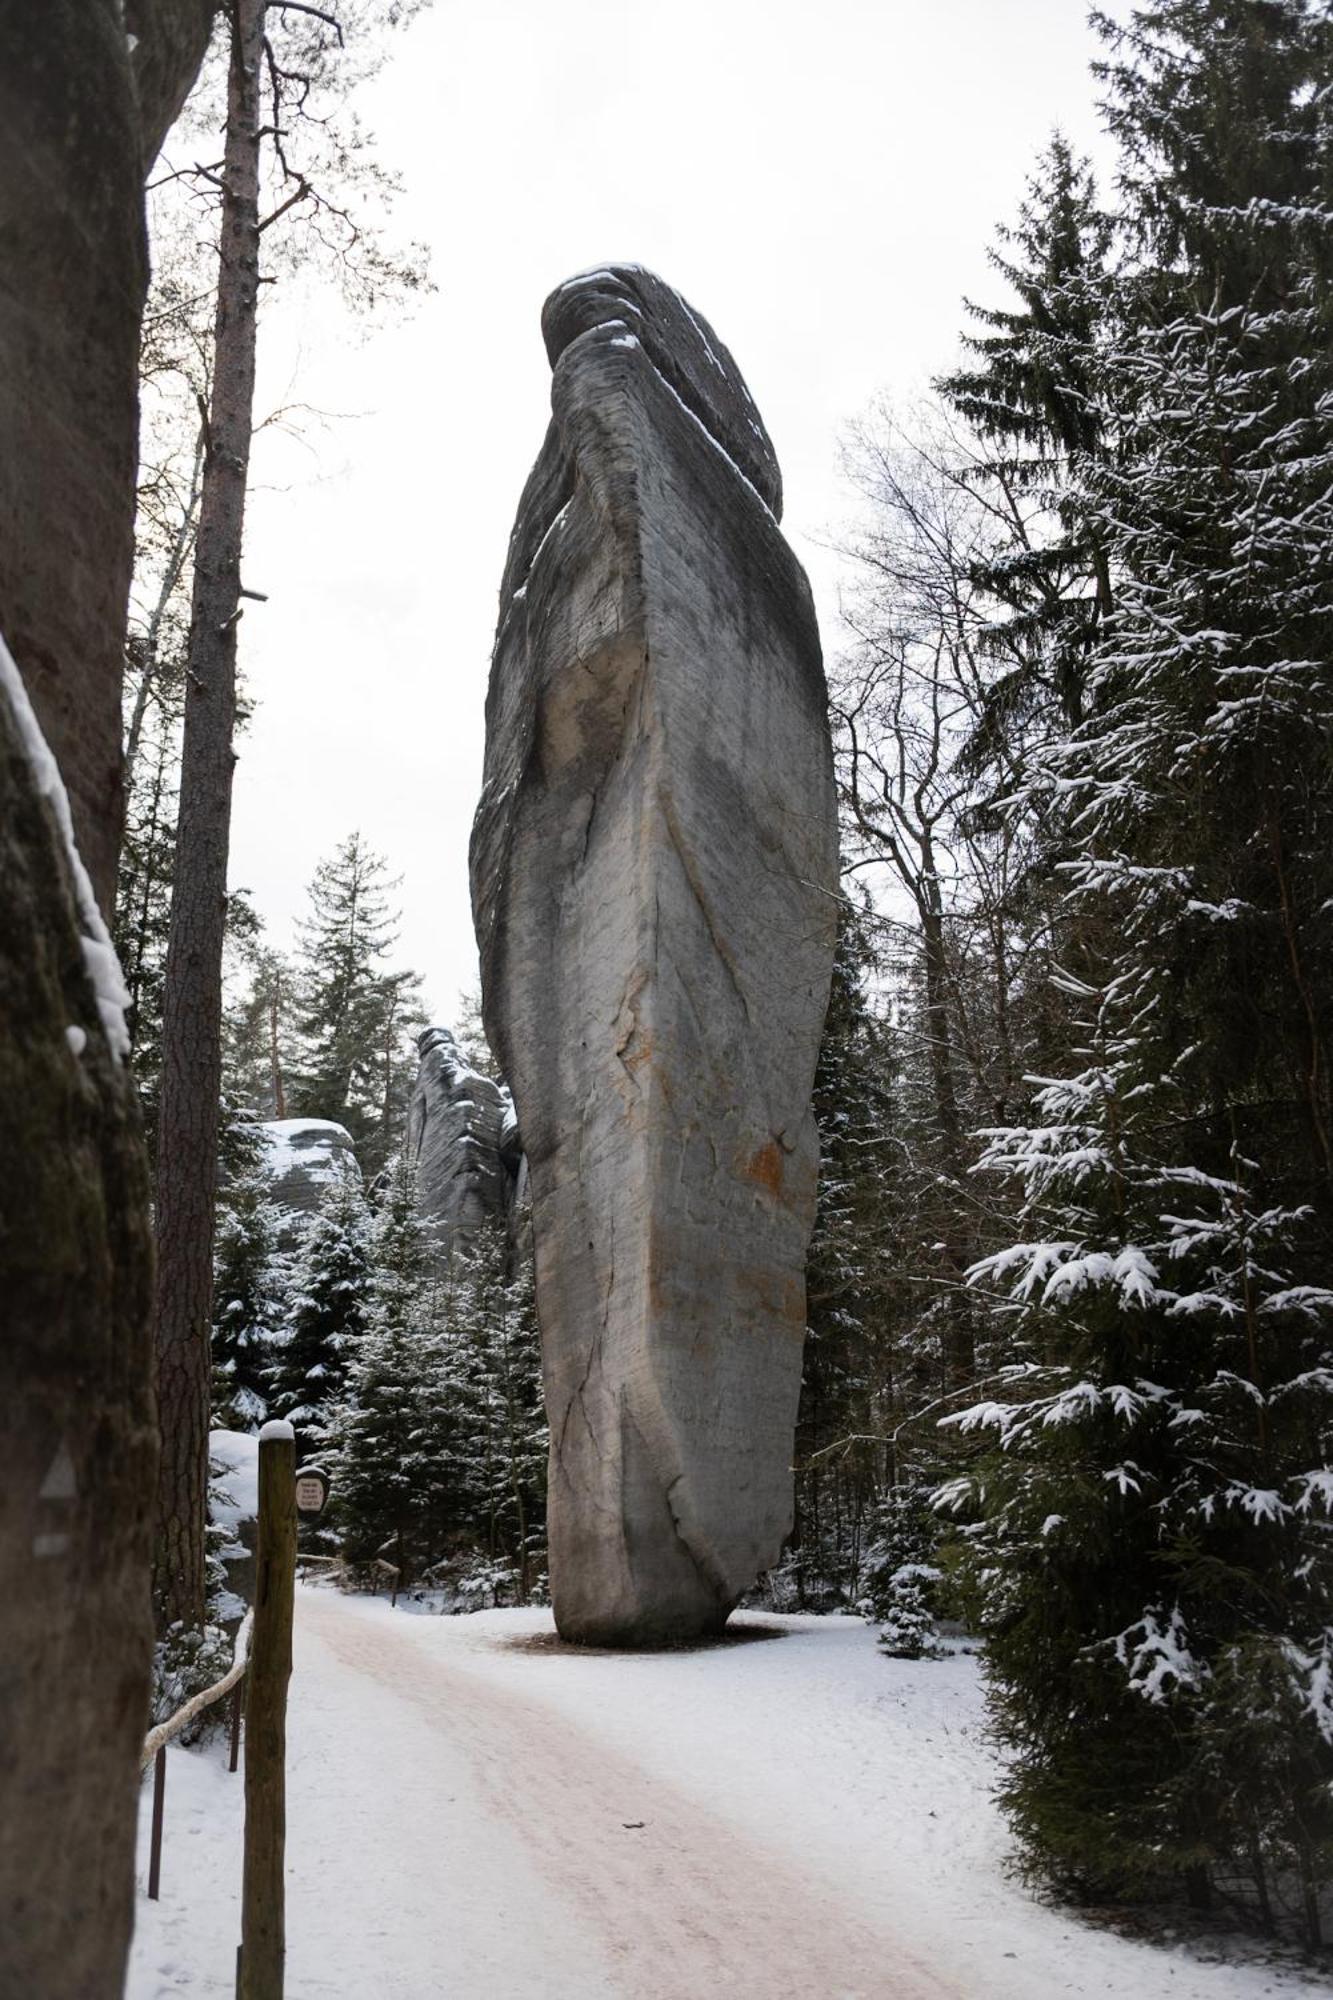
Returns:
(155, 1841)
(237, 1697)
(262, 1916)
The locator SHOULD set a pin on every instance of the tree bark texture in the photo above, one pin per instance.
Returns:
(263, 1913)
(192, 1005)
(959, 1353)
(77, 125)
(76, 1433)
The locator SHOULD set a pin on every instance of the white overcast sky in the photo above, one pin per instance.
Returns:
(821, 180)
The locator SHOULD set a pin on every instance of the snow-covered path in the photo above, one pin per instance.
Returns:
(477, 1812)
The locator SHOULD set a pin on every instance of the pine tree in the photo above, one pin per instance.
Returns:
(248, 1287)
(354, 1019)
(258, 1037)
(501, 1440)
(469, 1033)
(386, 1467)
(1149, 1534)
(325, 1318)
(900, 1575)
(439, 1441)
(1031, 397)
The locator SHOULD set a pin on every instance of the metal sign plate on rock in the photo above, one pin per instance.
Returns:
(312, 1489)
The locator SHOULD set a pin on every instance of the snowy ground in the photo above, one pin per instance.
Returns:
(474, 1811)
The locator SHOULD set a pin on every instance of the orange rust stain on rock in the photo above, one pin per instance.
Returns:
(766, 1167)
(637, 1051)
(780, 1300)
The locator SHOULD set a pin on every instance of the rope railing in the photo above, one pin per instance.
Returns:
(389, 1569)
(262, 1665)
(155, 1743)
(158, 1738)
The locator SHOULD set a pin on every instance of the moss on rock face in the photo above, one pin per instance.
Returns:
(81, 113)
(76, 1431)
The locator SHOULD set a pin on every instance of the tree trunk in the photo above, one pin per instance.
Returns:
(132, 940)
(192, 1007)
(76, 1435)
(959, 1355)
(263, 1880)
(151, 672)
(275, 1064)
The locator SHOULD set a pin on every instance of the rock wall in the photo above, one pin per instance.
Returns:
(461, 1134)
(86, 91)
(304, 1156)
(654, 869)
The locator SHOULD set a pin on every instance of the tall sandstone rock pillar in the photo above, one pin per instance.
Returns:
(654, 866)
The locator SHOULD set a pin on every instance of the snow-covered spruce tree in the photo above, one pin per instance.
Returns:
(387, 1466)
(1149, 1530)
(900, 1576)
(356, 1065)
(325, 1317)
(500, 1437)
(258, 1035)
(249, 1282)
(1029, 393)
(1150, 1527)
(1032, 395)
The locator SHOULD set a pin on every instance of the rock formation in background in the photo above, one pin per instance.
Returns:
(462, 1136)
(654, 870)
(303, 1157)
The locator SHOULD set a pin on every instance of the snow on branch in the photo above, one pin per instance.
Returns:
(1155, 1654)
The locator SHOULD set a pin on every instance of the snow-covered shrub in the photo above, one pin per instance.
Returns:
(909, 1630)
(900, 1579)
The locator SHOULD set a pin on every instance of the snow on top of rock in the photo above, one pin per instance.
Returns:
(716, 443)
(235, 1494)
(595, 271)
(693, 319)
(282, 1126)
(99, 954)
(319, 1147)
(558, 522)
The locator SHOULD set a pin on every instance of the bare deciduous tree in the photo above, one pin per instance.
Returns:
(296, 180)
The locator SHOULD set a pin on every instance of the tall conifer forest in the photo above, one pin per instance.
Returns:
(1084, 749)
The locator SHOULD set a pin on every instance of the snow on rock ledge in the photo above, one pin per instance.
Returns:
(304, 1157)
(234, 1495)
(99, 954)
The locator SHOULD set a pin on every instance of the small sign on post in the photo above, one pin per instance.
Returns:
(312, 1490)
